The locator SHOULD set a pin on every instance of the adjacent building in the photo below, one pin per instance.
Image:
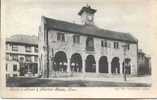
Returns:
(67, 48)
(22, 56)
(144, 63)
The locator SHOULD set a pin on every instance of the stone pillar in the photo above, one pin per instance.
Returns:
(50, 67)
(121, 66)
(97, 65)
(83, 65)
(109, 66)
(68, 65)
(38, 69)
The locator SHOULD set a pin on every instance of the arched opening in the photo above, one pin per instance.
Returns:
(115, 65)
(127, 66)
(76, 63)
(103, 65)
(90, 64)
(60, 62)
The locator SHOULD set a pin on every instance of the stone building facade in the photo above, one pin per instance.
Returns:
(22, 56)
(67, 49)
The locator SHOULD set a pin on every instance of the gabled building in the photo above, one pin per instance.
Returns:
(84, 49)
(22, 56)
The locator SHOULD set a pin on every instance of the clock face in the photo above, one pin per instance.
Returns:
(90, 18)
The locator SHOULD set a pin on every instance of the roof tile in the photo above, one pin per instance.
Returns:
(25, 39)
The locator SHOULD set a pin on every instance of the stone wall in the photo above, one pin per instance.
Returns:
(70, 48)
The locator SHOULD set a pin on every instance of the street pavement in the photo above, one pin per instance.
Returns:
(145, 79)
(80, 82)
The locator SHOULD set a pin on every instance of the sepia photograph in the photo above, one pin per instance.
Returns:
(82, 44)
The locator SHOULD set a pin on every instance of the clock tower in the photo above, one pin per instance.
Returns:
(87, 15)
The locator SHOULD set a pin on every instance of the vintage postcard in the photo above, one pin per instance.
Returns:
(78, 49)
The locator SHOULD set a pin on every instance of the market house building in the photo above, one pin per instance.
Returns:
(70, 49)
(22, 56)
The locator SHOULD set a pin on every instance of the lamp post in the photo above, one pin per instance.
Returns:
(54, 68)
(124, 65)
(53, 64)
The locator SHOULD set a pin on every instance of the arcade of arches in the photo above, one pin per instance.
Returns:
(60, 63)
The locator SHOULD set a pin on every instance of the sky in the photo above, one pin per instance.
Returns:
(132, 16)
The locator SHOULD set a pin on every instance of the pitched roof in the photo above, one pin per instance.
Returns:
(88, 30)
(23, 39)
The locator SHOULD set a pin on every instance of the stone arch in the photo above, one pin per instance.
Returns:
(127, 65)
(103, 65)
(76, 62)
(90, 64)
(60, 61)
(115, 65)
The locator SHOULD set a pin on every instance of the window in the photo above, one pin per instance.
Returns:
(34, 68)
(36, 49)
(28, 48)
(76, 39)
(14, 48)
(60, 37)
(116, 45)
(14, 75)
(28, 59)
(15, 57)
(36, 58)
(44, 36)
(103, 43)
(6, 67)
(21, 59)
(7, 46)
(128, 46)
(90, 44)
(7, 56)
(14, 67)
